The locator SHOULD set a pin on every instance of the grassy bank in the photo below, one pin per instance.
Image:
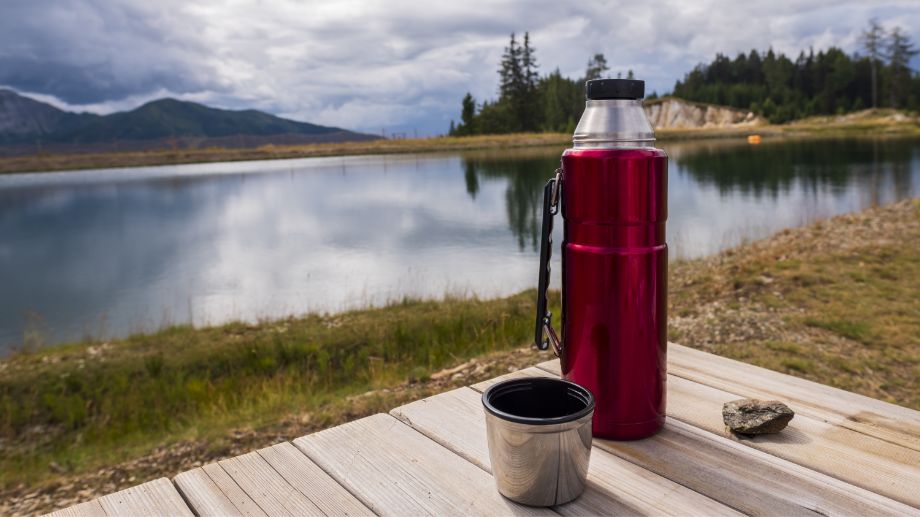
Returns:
(84, 405)
(837, 302)
(867, 123)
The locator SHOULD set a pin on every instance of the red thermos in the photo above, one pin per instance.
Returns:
(613, 190)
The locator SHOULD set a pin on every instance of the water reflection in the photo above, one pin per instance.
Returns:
(525, 172)
(878, 170)
(775, 166)
(106, 253)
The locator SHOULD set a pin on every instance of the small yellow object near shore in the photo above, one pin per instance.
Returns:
(754, 139)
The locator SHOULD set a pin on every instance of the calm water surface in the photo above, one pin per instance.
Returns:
(105, 253)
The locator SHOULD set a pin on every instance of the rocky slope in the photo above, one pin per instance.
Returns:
(674, 113)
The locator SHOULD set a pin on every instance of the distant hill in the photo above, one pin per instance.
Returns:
(23, 119)
(27, 125)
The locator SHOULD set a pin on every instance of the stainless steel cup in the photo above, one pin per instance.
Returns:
(539, 434)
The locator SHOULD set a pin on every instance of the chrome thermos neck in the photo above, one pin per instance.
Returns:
(613, 123)
(614, 116)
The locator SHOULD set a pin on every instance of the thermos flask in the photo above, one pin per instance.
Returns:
(612, 187)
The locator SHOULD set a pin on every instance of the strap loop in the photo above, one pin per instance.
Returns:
(544, 320)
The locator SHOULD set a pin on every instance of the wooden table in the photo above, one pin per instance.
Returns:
(842, 454)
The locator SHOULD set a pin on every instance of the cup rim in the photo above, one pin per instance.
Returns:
(490, 408)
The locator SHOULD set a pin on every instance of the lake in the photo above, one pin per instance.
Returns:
(106, 253)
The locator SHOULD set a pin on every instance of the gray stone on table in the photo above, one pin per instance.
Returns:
(752, 416)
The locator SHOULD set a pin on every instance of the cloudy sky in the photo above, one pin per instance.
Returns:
(384, 65)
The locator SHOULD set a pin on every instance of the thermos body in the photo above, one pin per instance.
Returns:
(613, 192)
(614, 275)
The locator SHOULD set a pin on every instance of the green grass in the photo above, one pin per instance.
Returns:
(855, 330)
(81, 407)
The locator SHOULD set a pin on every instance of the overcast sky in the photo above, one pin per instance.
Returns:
(393, 65)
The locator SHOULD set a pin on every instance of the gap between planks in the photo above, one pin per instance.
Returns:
(276, 480)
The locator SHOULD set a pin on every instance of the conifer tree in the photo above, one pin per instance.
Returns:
(510, 73)
(468, 114)
(900, 51)
(529, 65)
(528, 113)
(597, 65)
(872, 39)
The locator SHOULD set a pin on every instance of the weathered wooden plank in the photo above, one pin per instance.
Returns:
(615, 486)
(395, 470)
(266, 487)
(304, 475)
(215, 495)
(859, 459)
(154, 498)
(87, 509)
(746, 479)
(232, 489)
(866, 415)
(750, 480)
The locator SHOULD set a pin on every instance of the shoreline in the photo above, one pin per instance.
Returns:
(868, 126)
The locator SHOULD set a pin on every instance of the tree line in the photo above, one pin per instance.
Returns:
(767, 83)
(823, 83)
(526, 100)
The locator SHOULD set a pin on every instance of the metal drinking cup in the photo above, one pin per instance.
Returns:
(539, 434)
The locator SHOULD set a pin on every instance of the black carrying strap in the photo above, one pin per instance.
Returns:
(551, 196)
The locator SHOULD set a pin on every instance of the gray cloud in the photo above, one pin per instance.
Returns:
(86, 52)
(397, 65)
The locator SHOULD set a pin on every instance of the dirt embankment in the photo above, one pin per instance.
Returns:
(674, 113)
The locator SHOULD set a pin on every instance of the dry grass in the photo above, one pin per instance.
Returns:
(55, 162)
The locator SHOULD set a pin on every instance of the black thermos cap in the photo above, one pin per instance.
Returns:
(615, 89)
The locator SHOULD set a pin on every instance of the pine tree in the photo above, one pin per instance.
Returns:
(872, 39)
(900, 51)
(510, 73)
(518, 80)
(529, 65)
(527, 96)
(597, 65)
(468, 114)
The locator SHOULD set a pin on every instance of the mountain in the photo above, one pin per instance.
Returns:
(27, 124)
(22, 118)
